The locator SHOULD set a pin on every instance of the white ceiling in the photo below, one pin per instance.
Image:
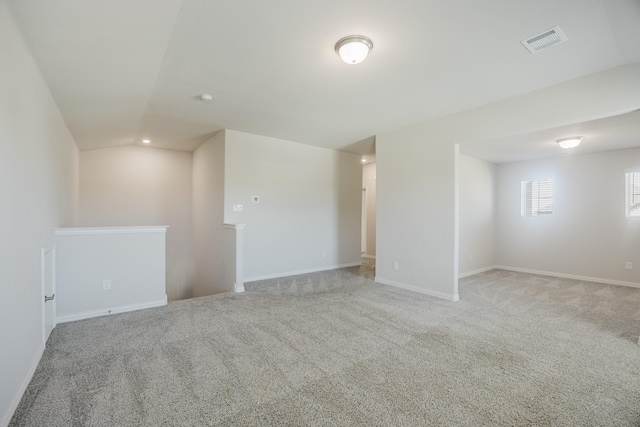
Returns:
(124, 70)
(612, 133)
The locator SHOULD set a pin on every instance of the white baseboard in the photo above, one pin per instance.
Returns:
(478, 271)
(296, 272)
(6, 418)
(108, 311)
(369, 256)
(569, 276)
(450, 297)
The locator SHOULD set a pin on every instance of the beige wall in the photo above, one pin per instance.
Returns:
(128, 186)
(411, 162)
(308, 217)
(477, 215)
(588, 234)
(369, 183)
(208, 208)
(417, 216)
(38, 192)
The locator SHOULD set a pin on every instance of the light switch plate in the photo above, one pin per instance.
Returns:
(237, 208)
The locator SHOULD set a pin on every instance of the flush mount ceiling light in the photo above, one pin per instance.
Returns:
(570, 142)
(205, 97)
(146, 141)
(354, 49)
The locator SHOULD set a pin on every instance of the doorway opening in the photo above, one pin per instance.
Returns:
(369, 207)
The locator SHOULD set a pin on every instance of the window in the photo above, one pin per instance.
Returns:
(633, 194)
(537, 198)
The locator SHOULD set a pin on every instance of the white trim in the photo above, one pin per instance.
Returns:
(363, 220)
(478, 271)
(233, 226)
(109, 311)
(111, 230)
(6, 418)
(296, 272)
(450, 297)
(43, 252)
(569, 276)
(628, 194)
(369, 256)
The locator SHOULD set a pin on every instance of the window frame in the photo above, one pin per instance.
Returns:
(631, 178)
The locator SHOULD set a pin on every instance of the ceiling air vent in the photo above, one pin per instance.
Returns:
(544, 40)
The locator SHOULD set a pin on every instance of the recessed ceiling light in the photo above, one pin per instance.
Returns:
(364, 160)
(570, 142)
(146, 141)
(205, 97)
(354, 49)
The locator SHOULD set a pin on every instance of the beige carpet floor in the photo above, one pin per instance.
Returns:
(337, 349)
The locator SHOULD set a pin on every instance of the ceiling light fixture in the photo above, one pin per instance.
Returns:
(570, 142)
(364, 160)
(205, 97)
(354, 49)
(146, 141)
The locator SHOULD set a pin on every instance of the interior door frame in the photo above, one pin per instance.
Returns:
(363, 222)
(43, 279)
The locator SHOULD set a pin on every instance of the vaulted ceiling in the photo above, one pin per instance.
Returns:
(124, 70)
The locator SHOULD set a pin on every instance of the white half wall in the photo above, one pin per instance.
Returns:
(141, 186)
(233, 241)
(588, 234)
(369, 183)
(208, 208)
(477, 215)
(38, 192)
(131, 259)
(309, 210)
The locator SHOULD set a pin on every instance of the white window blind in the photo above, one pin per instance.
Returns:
(633, 194)
(537, 198)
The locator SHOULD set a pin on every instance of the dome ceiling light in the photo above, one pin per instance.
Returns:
(354, 49)
(570, 142)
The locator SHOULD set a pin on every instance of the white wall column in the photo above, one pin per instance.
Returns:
(234, 257)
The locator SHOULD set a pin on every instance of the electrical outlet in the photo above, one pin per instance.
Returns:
(629, 265)
(106, 285)
(237, 208)
(395, 265)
